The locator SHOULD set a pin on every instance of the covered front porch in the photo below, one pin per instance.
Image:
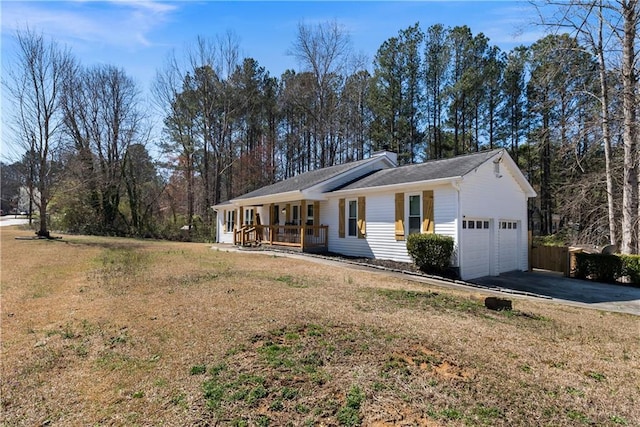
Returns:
(308, 238)
(292, 224)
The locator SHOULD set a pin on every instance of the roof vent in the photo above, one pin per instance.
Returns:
(496, 167)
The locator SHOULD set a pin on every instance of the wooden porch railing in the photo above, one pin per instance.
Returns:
(305, 237)
(246, 236)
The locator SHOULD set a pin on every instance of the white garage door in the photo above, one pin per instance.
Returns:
(476, 248)
(508, 253)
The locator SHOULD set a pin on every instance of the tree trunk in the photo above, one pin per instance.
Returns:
(630, 174)
(43, 188)
(545, 182)
(606, 136)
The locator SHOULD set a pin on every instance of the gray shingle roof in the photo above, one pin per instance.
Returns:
(305, 180)
(430, 170)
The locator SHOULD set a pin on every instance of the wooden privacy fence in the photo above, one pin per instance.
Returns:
(554, 258)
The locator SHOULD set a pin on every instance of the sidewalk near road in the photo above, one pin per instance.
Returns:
(8, 220)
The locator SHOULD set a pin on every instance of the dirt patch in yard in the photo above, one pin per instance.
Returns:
(124, 332)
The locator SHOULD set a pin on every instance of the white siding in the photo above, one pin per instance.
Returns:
(381, 229)
(485, 195)
(347, 245)
(223, 236)
(482, 195)
(445, 212)
(265, 218)
(324, 213)
(380, 239)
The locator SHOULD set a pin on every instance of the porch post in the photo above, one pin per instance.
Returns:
(272, 215)
(316, 218)
(242, 226)
(303, 220)
(326, 237)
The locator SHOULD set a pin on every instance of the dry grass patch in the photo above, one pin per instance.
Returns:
(128, 332)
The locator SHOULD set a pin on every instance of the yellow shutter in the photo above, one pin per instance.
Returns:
(241, 216)
(427, 212)
(341, 215)
(362, 223)
(399, 216)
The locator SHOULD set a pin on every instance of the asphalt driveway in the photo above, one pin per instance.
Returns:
(625, 299)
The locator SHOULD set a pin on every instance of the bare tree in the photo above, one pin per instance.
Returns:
(597, 43)
(195, 97)
(609, 29)
(211, 63)
(34, 83)
(630, 13)
(323, 51)
(103, 119)
(179, 125)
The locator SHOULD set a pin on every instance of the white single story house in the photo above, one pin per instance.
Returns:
(367, 208)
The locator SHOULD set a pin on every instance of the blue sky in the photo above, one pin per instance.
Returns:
(138, 35)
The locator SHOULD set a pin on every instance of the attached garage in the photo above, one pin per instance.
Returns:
(490, 247)
(508, 246)
(476, 247)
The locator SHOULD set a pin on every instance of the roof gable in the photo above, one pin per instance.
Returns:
(431, 170)
(308, 180)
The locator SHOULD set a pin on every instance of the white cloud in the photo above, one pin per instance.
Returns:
(147, 5)
(119, 23)
(510, 26)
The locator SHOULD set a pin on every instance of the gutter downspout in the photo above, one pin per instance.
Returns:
(456, 185)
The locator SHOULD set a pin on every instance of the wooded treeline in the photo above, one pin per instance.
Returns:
(565, 108)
